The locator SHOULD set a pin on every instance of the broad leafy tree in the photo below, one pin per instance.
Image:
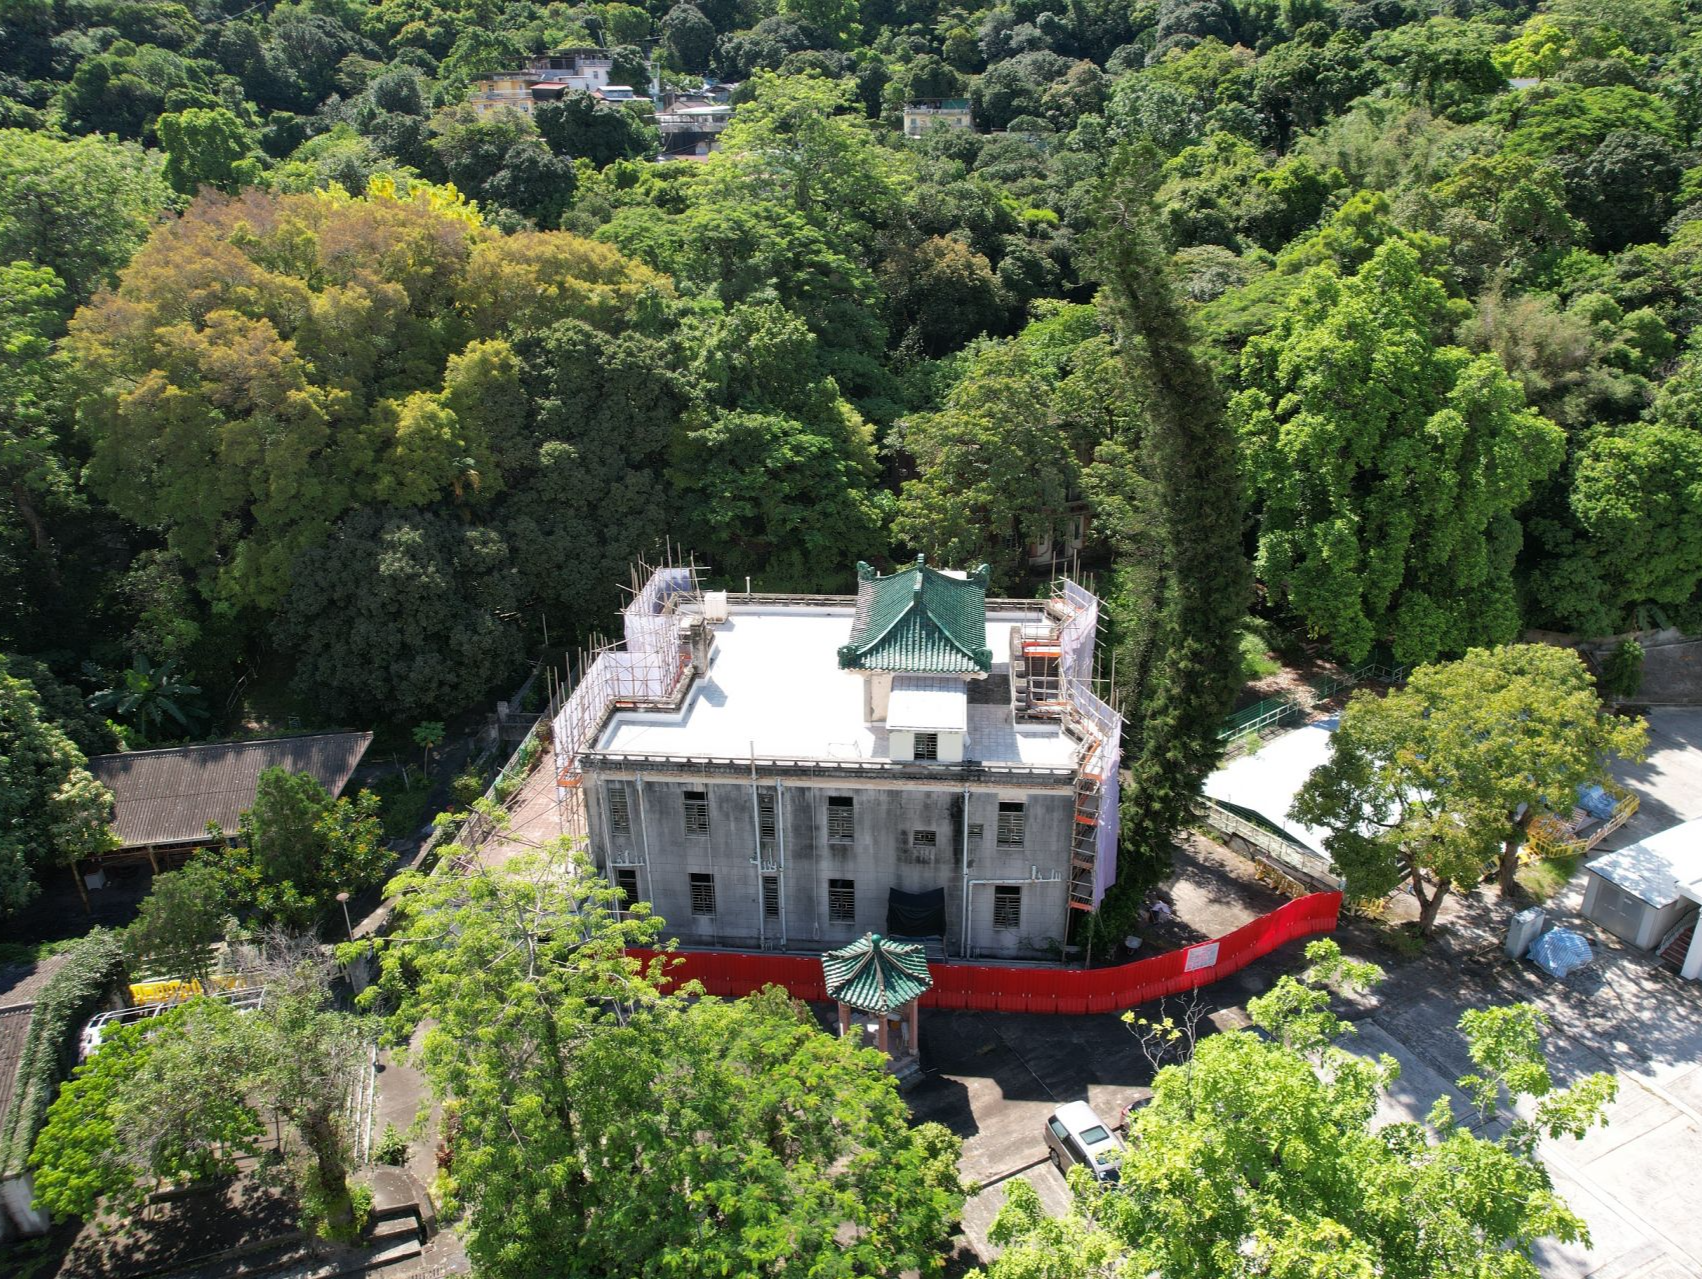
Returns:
(271, 363)
(606, 1127)
(52, 812)
(80, 206)
(993, 469)
(402, 613)
(297, 848)
(184, 915)
(1263, 1156)
(160, 1101)
(1385, 466)
(1435, 783)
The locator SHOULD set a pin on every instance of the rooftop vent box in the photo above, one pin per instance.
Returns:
(715, 606)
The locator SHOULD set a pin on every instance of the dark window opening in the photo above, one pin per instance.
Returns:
(927, 746)
(1007, 907)
(702, 894)
(771, 896)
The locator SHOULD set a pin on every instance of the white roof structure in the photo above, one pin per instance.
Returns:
(774, 690)
(1266, 781)
(1659, 869)
(928, 703)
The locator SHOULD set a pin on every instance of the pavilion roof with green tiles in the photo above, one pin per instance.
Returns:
(919, 621)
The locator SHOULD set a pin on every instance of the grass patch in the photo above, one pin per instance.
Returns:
(33, 952)
(402, 804)
(1257, 659)
(1546, 876)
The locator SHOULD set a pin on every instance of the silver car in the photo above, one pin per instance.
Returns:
(1076, 1135)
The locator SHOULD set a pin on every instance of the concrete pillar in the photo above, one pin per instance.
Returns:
(844, 1021)
(915, 1026)
(1692, 969)
(881, 1040)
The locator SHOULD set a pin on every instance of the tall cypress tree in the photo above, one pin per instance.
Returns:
(1182, 608)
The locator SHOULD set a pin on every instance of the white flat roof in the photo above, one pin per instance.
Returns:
(930, 703)
(1654, 869)
(774, 689)
(1267, 780)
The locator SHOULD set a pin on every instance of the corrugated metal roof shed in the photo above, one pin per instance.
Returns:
(170, 796)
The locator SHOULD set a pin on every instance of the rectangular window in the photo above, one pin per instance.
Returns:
(771, 896)
(702, 894)
(842, 901)
(841, 818)
(927, 746)
(1011, 820)
(924, 839)
(697, 813)
(620, 816)
(626, 879)
(765, 814)
(974, 832)
(1007, 907)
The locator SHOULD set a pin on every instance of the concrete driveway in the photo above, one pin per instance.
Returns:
(992, 1078)
(1669, 780)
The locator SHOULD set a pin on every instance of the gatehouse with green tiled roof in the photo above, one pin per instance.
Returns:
(919, 621)
(881, 978)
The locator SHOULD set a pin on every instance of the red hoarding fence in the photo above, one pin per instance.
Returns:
(994, 988)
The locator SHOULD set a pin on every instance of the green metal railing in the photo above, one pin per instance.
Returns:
(1275, 712)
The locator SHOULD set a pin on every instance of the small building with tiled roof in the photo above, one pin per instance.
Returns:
(917, 637)
(919, 621)
(165, 800)
(881, 979)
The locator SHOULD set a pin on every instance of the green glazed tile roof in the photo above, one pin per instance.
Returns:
(919, 620)
(875, 974)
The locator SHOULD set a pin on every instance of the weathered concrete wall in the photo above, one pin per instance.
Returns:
(882, 854)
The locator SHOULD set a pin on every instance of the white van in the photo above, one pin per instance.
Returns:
(1076, 1135)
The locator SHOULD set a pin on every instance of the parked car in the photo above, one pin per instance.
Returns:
(1076, 1135)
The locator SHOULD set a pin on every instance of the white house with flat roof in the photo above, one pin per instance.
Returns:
(1648, 892)
(791, 772)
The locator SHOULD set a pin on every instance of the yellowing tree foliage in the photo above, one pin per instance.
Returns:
(270, 362)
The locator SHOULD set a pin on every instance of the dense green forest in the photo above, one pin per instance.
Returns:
(321, 393)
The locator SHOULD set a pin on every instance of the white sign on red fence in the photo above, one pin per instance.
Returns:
(1201, 956)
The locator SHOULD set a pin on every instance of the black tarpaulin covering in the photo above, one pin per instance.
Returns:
(916, 914)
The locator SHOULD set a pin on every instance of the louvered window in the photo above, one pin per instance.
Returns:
(1007, 907)
(620, 816)
(841, 819)
(703, 894)
(771, 896)
(842, 901)
(697, 812)
(1012, 818)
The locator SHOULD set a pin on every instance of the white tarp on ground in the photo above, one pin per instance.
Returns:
(1267, 780)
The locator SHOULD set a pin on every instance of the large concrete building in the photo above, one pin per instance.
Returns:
(786, 772)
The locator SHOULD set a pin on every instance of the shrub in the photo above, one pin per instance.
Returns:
(69, 999)
(1622, 670)
(392, 1147)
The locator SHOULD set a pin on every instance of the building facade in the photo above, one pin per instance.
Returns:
(794, 772)
(545, 78)
(922, 115)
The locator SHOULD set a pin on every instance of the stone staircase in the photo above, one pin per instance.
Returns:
(402, 1220)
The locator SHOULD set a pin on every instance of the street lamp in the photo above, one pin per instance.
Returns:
(343, 900)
